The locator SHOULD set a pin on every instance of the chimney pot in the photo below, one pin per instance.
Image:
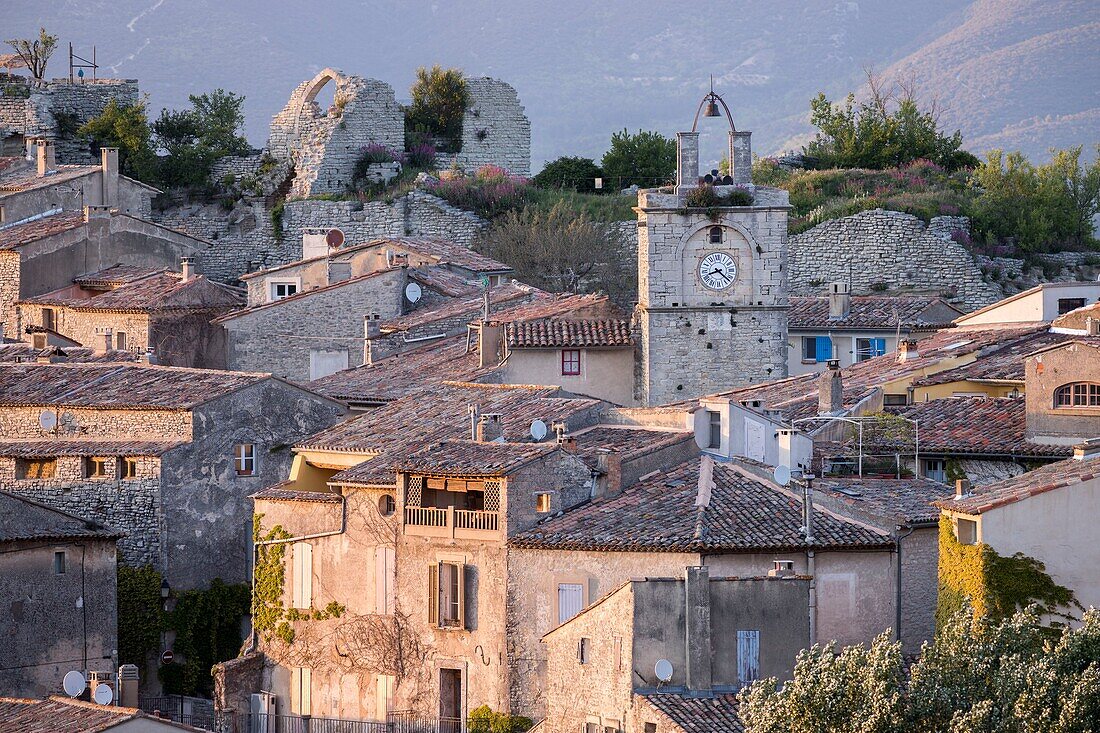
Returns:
(830, 389)
(489, 341)
(840, 301)
(44, 155)
(962, 488)
(109, 170)
(490, 428)
(187, 267)
(907, 350)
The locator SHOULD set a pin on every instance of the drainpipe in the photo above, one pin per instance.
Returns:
(897, 580)
(811, 559)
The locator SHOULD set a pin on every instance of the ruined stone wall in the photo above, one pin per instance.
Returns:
(495, 130)
(131, 505)
(888, 250)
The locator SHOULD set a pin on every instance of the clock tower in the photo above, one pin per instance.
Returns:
(712, 276)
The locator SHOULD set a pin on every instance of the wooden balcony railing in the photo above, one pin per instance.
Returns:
(467, 519)
(451, 522)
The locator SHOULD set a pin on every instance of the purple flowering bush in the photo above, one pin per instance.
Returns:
(489, 192)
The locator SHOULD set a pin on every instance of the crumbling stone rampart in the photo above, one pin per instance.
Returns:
(495, 131)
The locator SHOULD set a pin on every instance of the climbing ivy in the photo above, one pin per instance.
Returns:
(140, 615)
(208, 631)
(994, 586)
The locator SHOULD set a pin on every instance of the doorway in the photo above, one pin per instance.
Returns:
(450, 701)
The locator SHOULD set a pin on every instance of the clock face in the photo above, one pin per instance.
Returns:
(718, 270)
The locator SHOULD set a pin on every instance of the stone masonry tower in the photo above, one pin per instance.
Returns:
(712, 280)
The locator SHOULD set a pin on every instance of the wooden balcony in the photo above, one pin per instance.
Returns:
(451, 523)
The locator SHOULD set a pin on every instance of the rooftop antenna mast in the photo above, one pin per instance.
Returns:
(79, 63)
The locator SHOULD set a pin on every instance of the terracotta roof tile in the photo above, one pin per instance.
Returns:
(115, 275)
(1051, 477)
(976, 426)
(162, 291)
(21, 351)
(1003, 364)
(559, 333)
(283, 492)
(470, 458)
(444, 281)
(626, 440)
(16, 235)
(82, 447)
(27, 179)
(297, 297)
(73, 716)
(910, 500)
(873, 311)
(694, 714)
(23, 519)
(743, 513)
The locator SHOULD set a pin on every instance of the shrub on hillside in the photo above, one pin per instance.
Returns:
(125, 127)
(577, 174)
(489, 192)
(645, 159)
(439, 100)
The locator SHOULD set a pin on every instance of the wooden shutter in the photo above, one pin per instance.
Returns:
(748, 656)
(303, 575)
(383, 580)
(460, 581)
(433, 592)
(570, 601)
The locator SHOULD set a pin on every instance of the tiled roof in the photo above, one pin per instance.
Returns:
(394, 431)
(909, 500)
(1077, 319)
(118, 385)
(27, 179)
(22, 351)
(467, 308)
(283, 492)
(82, 447)
(160, 292)
(985, 426)
(448, 252)
(470, 458)
(873, 311)
(555, 333)
(115, 275)
(1005, 364)
(797, 397)
(627, 441)
(23, 519)
(299, 296)
(17, 235)
(73, 716)
(444, 281)
(693, 714)
(1039, 481)
(743, 513)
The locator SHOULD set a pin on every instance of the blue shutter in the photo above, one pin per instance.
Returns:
(878, 347)
(824, 348)
(748, 656)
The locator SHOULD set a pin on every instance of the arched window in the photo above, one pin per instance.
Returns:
(1077, 394)
(716, 235)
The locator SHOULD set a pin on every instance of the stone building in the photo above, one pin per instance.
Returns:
(167, 455)
(47, 253)
(57, 589)
(163, 315)
(708, 637)
(1040, 304)
(712, 282)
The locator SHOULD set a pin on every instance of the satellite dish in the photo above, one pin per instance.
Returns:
(74, 683)
(413, 292)
(334, 238)
(663, 670)
(47, 419)
(103, 694)
(782, 475)
(538, 430)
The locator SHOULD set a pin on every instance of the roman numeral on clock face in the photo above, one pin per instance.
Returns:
(717, 270)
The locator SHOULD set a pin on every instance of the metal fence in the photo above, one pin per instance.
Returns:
(200, 713)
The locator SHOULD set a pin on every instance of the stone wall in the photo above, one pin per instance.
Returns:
(87, 327)
(891, 250)
(21, 423)
(495, 130)
(920, 556)
(9, 293)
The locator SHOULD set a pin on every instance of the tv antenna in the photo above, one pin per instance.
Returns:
(79, 63)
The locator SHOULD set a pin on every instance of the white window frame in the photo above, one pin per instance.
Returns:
(274, 284)
(244, 459)
(934, 474)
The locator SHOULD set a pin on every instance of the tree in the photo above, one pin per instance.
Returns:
(125, 128)
(35, 52)
(1042, 208)
(984, 675)
(439, 99)
(887, 130)
(193, 139)
(558, 250)
(646, 159)
(577, 174)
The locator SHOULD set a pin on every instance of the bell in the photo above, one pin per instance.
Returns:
(712, 109)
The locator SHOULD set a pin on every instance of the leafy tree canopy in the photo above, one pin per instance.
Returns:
(439, 100)
(194, 138)
(35, 52)
(577, 174)
(645, 158)
(125, 127)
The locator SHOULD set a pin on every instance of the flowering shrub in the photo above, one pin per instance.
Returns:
(489, 192)
(705, 197)
(376, 153)
(421, 155)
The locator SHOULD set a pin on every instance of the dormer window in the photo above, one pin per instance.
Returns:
(280, 290)
(1077, 394)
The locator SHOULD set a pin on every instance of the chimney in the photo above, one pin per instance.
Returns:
(782, 569)
(490, 428)
(697, 644)
(611, 466)
(907, 350)
(187, 266)
(1086, 450)
(687, 159)
(741, 157)
(109, 168)
(372, 326)
(1092, 326)
(830, 389)
(489, 337)
(128, 685)
(840, 301)
(808, 508)
(44, 154)
(962, 488)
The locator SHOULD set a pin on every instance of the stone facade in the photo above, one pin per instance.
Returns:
(696, 340)
(1045, 372)
(495, 130)
(890, 250)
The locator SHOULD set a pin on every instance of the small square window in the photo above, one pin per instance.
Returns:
(542, 503)
(120, 341)
(59, 562)
(967, 532)
(244, 459)
(650, 728)
(29, 469)
(96, 467)
(1065, 305)
(936, 469)
(584, 650)
(895, 400)
(716, 235)
(570, 362)
(128, 467)
(283, 290)
(49, 319)
(869, 348)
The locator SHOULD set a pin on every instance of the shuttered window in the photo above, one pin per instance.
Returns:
(384, 578)
(446, 602)
(570, 601)
(748, 656)
(303, 575)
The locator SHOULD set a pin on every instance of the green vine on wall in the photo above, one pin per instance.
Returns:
(269, 617)
(994, 585)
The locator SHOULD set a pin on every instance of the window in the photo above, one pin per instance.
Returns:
(384, 580)
(570, 600)
(1065, 305)
(936, 469)
(650, 728)
(584, 650)
(967, 532)
(591, 728)
(244, 459)
(542, 503)
(48, 319)
(120, 341)
(280, 290)
(714, 419)
(1077, 394)
(301, 684)
(570, 362)
(27, 469)
(895, 400)
(869, 348)
(129, 467)
(445, 595)
(817, 348)
(96, 467)
(59, 562)
(716, 235)
(386, 505)
(748, 656)
(302, 593)
(3, 217)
